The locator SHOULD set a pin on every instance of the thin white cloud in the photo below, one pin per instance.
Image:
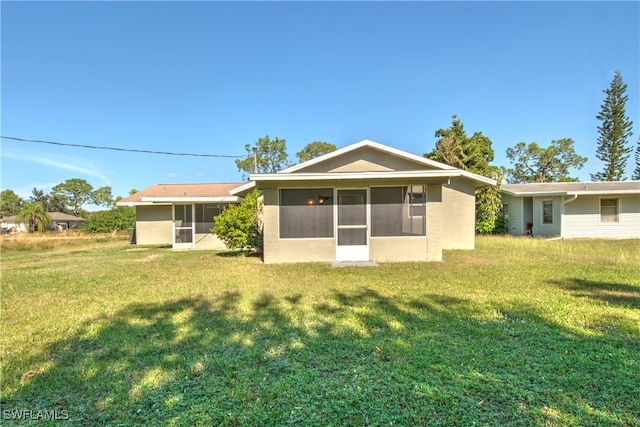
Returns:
(172, 174)
(58, 162)
(200, 174)
(25, 191)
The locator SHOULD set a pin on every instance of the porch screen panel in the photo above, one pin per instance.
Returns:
(352, 236)
(306, 213)
(386, 211)
(398, 211)
(205, 214)
(183, 224)
(352, 209)
(414, 219)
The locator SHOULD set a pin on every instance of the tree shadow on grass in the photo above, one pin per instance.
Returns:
(609, 293)
(357, 358)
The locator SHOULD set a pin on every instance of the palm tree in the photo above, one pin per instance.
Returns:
(34, 215)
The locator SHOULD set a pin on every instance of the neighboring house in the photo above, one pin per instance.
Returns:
(59, 221)
(573, 209)
(180, 215)
(366, 202)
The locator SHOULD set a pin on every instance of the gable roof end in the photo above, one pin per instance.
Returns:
(371, 144)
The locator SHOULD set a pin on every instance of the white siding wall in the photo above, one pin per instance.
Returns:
(540, 229)
(515, 225)
(582, 218)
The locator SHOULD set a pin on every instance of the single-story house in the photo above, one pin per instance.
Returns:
(573, 209)
(366, 202)
(59, 221)
(180, 215)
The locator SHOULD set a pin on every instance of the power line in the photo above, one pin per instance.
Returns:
(130, 150)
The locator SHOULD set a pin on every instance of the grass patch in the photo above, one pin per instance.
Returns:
(518, 332)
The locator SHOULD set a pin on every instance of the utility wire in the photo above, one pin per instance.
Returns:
(130, 150)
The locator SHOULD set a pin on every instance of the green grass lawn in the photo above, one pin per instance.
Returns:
(520, 331)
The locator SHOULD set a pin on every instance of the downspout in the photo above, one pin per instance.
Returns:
(565, 202)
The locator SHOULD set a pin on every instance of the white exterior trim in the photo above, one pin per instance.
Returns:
(618, 211)
(353, 176)
(187, 200)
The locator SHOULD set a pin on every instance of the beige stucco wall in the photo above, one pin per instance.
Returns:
(210, 242)
(153, 225)
(450, 224)
(398, 249)
(364, 160)
(458, 215)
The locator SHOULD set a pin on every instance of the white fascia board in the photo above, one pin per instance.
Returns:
(568, 193)
(537, 193)
(478, 178)
(222, 199)
(339, 176)
(140, 204)
(243, 188)
(372, 144)
(603, 193)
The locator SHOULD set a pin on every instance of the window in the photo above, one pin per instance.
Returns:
(398, 211)
(505, 211)
(609, 210)
(416, 202)
(547, 211)
(306, 213)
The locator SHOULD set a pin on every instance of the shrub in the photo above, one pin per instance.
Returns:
(118, 218)
(239, 226)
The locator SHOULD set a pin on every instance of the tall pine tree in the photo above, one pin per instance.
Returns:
(613, 132)
(636, 171)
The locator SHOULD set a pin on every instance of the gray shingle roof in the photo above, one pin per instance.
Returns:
(179, 191)
(55, 216)
(560, 188)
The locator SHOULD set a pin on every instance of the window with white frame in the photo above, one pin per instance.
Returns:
(306, 213)
(398, 211)
(547, 211)
(416, 201)
(609, 210)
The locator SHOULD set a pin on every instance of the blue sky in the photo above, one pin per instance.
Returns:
(210, 77)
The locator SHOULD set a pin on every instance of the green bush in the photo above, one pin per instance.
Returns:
(239, 226)
(118, 218)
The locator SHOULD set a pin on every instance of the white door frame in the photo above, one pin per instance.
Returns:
(175, 242)
(352, 252)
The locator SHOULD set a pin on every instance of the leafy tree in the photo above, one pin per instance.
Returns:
(34, 216)
(102, 197)
(473, 154)
(76, 192)
(533, 163)
(636, 172)
(456, 149)
(239, 226)
(613, 132)
(266, 156)
(315, 149)
(50, 202)
(10, 203)
(489, 205)
(118, 218)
